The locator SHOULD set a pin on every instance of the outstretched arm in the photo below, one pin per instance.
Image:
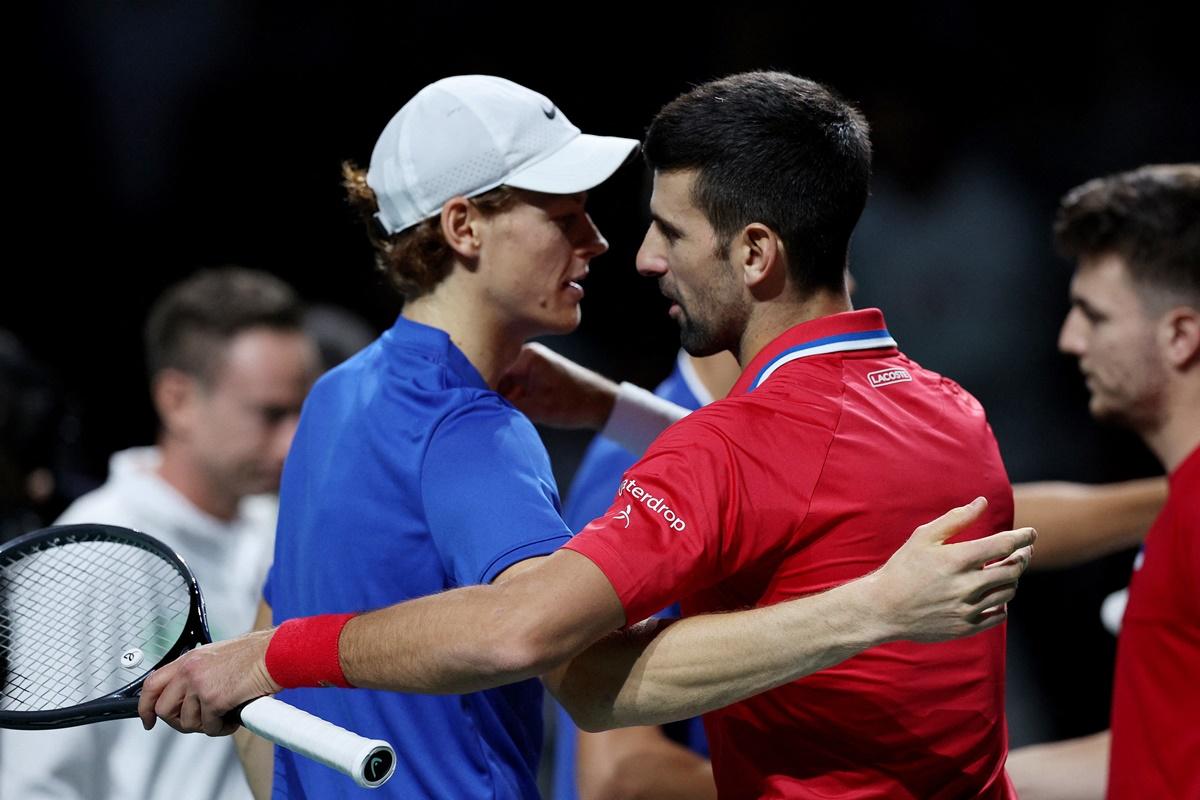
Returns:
(549, 611)
(662, 670)
(1077, 522)
(1074, 769)
(553, 390)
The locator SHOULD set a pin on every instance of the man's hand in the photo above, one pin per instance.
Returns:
(929, 591)
(197, 691)
(552, 390)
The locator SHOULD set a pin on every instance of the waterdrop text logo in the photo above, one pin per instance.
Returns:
(656, 504)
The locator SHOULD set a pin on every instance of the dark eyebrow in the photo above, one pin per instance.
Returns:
(668, 230)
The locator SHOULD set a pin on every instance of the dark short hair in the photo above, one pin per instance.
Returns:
(1149, 216)
(190, 324)
(773, 148)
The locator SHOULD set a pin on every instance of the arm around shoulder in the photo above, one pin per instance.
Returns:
(663, 670)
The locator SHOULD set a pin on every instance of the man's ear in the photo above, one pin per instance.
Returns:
(175, 394)
(460, 226)
(1179, 337)
(758, 251)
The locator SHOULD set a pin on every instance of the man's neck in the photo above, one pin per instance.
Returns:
(1179, 434)
(769, 320)
(473, 326)
(718, 373)
(180, 470)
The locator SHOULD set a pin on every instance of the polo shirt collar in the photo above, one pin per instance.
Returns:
(435, 345)
(837, 333)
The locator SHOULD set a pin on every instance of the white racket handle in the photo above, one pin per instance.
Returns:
(369, 762)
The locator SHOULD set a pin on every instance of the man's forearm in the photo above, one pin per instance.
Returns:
(1079, 522)
(660, 671)
(1074, 769)
(538, 614)
(553, 390)
(663, 670)
(480, 637)
(455, 642)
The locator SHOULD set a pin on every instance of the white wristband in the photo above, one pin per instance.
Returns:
(638, 417)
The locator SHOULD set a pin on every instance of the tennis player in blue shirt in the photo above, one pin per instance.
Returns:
(409, 475)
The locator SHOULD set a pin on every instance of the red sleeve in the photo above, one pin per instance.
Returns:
(666, 531)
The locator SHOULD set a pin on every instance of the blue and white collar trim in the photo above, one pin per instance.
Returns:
(859, 340)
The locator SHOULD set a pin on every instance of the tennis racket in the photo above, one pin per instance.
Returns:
(88, 611)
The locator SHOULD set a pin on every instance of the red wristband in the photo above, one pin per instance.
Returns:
(304, 652)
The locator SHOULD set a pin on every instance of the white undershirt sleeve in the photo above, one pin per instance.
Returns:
(638, 417)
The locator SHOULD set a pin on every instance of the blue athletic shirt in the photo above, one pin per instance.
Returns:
(590, 496)
(409, 476)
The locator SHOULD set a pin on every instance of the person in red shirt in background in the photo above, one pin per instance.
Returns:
(1134, 325)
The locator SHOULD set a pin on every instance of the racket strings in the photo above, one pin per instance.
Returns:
(68, 612)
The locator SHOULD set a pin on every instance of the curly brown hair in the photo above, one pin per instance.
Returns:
(417, 259)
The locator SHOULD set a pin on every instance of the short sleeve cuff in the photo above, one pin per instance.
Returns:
(542, 547)
(611, 564)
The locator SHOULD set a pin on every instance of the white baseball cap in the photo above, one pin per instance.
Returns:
(468, 134)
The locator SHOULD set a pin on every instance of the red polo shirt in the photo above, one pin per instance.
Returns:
(1156, 693)
(830, 450)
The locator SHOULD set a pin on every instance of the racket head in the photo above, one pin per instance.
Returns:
(86, 613)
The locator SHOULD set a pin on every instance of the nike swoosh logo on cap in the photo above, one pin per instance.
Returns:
(550, 112)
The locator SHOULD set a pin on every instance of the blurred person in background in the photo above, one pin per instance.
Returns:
(338, 333)
(229, 366)
(37, 476)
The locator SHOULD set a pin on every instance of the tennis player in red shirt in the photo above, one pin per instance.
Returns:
(830, 438)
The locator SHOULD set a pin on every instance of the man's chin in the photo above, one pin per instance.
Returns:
(559, 325)
(1107, 414)
(1099, 411)
(698, 346)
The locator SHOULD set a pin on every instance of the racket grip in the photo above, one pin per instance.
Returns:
(369, 762)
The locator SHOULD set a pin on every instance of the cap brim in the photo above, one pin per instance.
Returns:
(583, 163)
